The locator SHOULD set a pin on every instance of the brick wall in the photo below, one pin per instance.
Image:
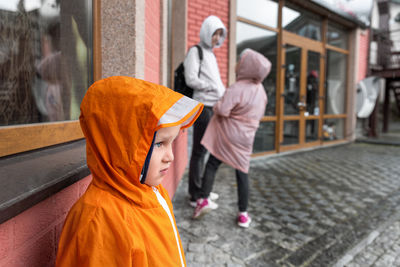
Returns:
(363, 55)
(152, 41)
(31, 238)
(198, 10)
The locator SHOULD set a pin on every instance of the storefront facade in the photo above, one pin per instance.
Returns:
(317, 58)
(311, 86)
(54, 51)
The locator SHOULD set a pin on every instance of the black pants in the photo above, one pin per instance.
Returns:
(241, 179)
(196, 165)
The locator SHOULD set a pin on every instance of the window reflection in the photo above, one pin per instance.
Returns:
(290, 132)
(336, 77)
(337, 36)
(263, 41)
(292, 80)
(333, 129)
(45, 62)
(265, 137)
(313, 61)
(261, 11)
(312, 130)
(301, 22)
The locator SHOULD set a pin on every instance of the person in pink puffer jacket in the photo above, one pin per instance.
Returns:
(230, 134)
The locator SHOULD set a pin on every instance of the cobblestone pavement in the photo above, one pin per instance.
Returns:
(382, 250)
(308, 209)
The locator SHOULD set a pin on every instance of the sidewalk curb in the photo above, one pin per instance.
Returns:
(378, 142)
(349, 256)
(297, 151)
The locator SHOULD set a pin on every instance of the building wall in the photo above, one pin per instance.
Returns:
(394, 26)
(363, 55)
(198, 10)
(30, 239)
(152, 41)
(118, 58)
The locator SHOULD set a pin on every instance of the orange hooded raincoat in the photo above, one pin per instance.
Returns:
(120, 221)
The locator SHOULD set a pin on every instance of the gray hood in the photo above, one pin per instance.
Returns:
(209, 26)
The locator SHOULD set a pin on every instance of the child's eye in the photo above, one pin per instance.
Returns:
(159, 144)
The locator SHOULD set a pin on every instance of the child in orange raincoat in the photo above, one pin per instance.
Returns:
(125, 217)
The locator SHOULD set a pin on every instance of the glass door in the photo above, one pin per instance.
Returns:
(300, 116)
(312, 106)
(291, 95)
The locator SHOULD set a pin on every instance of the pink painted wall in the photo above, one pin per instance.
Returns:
(198, 10)
(30, 238)
(152, 74)
(363, 55)
(152, 41)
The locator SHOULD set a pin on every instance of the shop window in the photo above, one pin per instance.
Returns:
(333, 129)
(290, 132)
(301, 22)
(45, 62)
(337, 36)
(336, 80)
(292, 80)
(264, 42)
(260, 11)
(312, 89)
(312, 130)
(265, 137)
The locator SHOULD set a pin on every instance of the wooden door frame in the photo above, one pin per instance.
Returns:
(306, 45)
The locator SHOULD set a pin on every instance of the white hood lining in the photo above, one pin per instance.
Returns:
(178, 111)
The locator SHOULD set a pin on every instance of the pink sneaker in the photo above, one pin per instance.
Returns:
(213, 205)
(211, 199)
(202, 208)
(243, 219)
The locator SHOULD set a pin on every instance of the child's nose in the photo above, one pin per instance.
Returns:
(169, 156)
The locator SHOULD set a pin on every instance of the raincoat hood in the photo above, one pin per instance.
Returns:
(253, 66)
(119, 117)
(209, 26)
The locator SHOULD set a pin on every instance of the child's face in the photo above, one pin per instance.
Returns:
(162, 155)
(216, 36)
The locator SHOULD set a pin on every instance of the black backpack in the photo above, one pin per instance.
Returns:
(180, 85)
